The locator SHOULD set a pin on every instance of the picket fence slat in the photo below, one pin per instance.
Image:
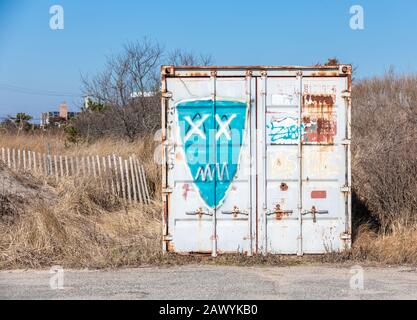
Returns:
(111, 175)
(132, 176)
(118, 192)
(140, 194)
(145, 185)
(142, 183)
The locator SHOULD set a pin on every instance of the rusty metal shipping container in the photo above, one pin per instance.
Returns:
(257, 159)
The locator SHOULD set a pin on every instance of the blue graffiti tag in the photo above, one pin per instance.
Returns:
(280, 129)
(212, 137)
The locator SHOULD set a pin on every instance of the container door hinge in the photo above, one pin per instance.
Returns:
(168, 238)
(167, 190)
(345, 237)
(346, 189)
(346, 95)
(168, 71)
(167, 95)
(346, 142)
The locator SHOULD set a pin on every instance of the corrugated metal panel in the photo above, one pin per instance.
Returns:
(257, 159)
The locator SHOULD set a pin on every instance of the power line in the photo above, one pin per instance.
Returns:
(23, 90)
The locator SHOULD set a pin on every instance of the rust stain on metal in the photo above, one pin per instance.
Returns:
(186, 187)
(235, 212)
(166, 210)
(279, 213)
(167, 71)
(289, 67)
(178, 156)
(200, 213)
(320, 99)
(314, 213)
(347, 70)
(201, 71)
(284, 187)
(319, 120)
(319, 194)
(199, 74)
(325, 74)
(171, 247)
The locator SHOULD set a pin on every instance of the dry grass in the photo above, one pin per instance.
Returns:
(396, 247)
(239, 260)
(76, 223)
(33, 141)
(85, 229)
(39, 140)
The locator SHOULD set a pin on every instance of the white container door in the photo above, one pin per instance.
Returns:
(209, 124)
(325, 172)
(278, 166)
(302, 165)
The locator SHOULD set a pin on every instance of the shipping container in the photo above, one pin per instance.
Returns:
(257, 160)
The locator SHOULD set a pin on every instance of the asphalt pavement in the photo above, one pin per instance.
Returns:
(196, 282)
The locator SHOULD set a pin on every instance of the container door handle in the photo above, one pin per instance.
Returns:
(315, 212)
(200, 212)
(279, 212)
(235, 212)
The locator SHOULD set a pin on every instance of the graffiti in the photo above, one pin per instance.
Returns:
(209, 172)
(212, 136)
(283, 129)
(195, 127)
(223, 128)
(318, 122)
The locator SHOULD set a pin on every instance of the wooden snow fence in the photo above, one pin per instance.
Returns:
(124, 178)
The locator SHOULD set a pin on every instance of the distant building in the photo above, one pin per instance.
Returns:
(57, 118)
(138, 94)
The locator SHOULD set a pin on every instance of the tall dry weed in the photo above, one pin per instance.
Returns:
(398, 246)
(85, 228)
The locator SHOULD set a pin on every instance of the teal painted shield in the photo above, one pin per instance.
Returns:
(212, 136)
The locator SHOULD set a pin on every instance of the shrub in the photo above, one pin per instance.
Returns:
(384, 149)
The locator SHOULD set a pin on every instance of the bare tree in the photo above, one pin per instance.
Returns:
(127, 90)
(180, 57)
(128, 87)
(144, 59)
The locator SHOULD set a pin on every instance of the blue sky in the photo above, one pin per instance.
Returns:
(36, 59)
